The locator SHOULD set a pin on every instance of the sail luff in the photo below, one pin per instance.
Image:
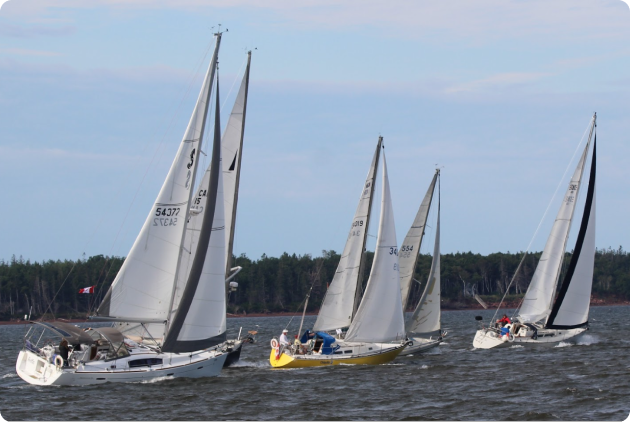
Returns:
(358, 290)
(578, 281)
(426, 318)
(538, 299)
(242, 110)
(172, 343)
(410, 249)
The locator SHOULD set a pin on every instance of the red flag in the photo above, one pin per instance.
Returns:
(87, 289)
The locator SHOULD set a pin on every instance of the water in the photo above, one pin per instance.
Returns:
(587, 380)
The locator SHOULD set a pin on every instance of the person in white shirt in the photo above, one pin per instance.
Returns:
(284, 340)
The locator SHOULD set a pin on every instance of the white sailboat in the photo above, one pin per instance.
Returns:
(167, 302)
(540, 319)
(375, 331)
(424, 329)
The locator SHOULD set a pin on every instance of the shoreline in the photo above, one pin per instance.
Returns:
(594, 302)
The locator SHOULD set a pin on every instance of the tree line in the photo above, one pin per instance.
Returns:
(280, 284)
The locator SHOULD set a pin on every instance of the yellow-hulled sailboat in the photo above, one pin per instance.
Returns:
(375, 329)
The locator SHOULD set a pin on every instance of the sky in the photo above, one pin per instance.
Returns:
(95, 97)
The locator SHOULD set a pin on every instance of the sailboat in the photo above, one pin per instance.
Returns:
(540, 319)
(424, 327)
(375, 328)
(232, 149)
(167, 302)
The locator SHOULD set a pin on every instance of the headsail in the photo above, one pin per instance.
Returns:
(337, 308)
(410, 249)
(426, 318)
(380, 316)
(199, 316)
(539, 296)
(232, 150)
(143, 288)
(572, 304)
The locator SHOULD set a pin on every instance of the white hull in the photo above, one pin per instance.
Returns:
(37, 370)
(489, 339)
(419, 345)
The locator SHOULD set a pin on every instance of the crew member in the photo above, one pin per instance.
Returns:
(284, 340)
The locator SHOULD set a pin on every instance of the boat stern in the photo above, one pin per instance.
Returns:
(488, 339)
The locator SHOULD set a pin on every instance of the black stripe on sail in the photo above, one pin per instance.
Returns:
(171, 343)
(578, 248)
(233, 165)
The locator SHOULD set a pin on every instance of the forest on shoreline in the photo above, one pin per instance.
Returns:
(273, 285)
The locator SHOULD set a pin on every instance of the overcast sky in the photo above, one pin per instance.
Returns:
(95, 97)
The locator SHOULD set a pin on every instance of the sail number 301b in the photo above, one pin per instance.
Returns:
(168, 216)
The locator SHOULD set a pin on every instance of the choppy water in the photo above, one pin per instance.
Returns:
(589, 380)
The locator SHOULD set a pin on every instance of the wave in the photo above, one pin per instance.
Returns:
(587, 340)
(9, 375)
(563, 344)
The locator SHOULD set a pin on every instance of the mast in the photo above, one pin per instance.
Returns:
(172, 341)
(538, 299)
(410, 249)
(579, 277)
(211, 74)
(359, 288)
(237, 164)
(426, 318)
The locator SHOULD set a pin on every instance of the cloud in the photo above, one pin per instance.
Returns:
(497, 81)
(483, 20)
(31, 31)
(24, 52)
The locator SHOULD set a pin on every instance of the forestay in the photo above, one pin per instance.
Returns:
(410, 249)
(537, 301)
(338, 304)
(380, 315)
(143, 288)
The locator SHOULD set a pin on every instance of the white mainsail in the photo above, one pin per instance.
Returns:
(539, 296)
(408, 254)
(232, 150)
(337, 308)
(380, 317)
(144, 287)
(426, 318)
(573, 301)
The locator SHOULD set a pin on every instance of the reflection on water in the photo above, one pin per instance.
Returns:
(585, 380)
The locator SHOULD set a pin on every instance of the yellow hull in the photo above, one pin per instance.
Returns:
(306, 361)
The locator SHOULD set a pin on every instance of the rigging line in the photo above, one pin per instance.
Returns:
(540, 223)
(236, 78)
(99, 224)
(160, 145)
(316, 278)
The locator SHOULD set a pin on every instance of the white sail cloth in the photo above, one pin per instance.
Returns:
(408, 253)
(427, 317)
(232, 150)
(143, 287)
(380, 316)
(538, 298)
(338, 305)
